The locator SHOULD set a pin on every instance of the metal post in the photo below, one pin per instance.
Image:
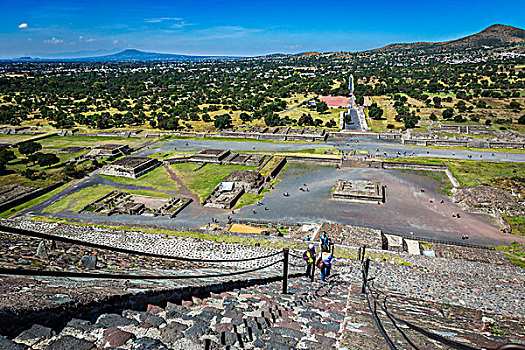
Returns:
(365, 275)
(363, 253)
(359, 254)
(333, 249)
(285, 270)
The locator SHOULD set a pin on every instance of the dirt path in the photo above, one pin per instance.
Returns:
(183, 190)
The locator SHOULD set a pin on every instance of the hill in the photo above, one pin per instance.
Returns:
(495, 36)
(132, 55)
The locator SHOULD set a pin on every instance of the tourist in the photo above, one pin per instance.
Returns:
(309, 258)
(324, 239)
(325, 262)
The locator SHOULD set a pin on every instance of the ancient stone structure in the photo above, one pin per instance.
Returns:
(210, 156)
(507, 140)
(133, 167)
(278, 134)
(109, 151)
(219, 156)
(117, 202)
(71, 149)
(226, 194)
(359, 191)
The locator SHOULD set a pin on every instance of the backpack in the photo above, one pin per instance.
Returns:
(320, 263)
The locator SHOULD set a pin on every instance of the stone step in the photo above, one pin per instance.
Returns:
(257, 317)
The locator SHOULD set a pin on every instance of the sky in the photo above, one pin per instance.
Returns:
(238, 28)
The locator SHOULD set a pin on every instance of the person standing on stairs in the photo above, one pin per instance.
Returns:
(309, 258)
(324, 262)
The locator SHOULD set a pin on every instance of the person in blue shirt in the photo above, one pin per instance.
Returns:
(325, 262)
(324, 239)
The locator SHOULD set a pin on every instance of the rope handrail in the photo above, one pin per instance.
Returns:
(41, 235)
(20, 272)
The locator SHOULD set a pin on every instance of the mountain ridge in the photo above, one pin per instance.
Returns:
(496, 35)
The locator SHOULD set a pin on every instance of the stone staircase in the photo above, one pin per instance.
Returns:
(310, 316)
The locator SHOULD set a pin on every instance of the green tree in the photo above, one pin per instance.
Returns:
(306, 119)
(223, 121)
(5, 157)
(29, 147)
(47, 159)
(245, 117)
(410, 121)
(521, 120)
(432, 116)
(448, 113)
(272, 119)
(375, 112)
(321, 107)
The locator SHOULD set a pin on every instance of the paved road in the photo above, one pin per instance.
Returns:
(354, 125)
(294, 107)
(368, 144)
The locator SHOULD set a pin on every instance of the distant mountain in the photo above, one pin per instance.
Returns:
(132, 55)
(495, 36)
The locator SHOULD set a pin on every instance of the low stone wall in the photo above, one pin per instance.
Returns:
(313, 160)
(29, 196)
(467, 143)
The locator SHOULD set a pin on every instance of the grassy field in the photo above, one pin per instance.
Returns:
(467, 171)
(331, 114)
(473, 149)
(202, 181)
(60, 142)
(271, 165)
(250, 198)
(517, 223)
(80, 199)
(515, 253)
(444, 183)
(158, 179)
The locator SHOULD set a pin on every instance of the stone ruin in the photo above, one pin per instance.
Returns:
(117, 202)
(71, 149)
(277, 134)
(109, 151)
(359, 191)
(226, 157)
(132, 167)
(226, 194)
(13, 191)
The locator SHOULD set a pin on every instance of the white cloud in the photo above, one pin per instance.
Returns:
(90, 40)
(80, 37)
(53, 41)
(22, 25)
(162, 19)
(182, 24)
(115, 42)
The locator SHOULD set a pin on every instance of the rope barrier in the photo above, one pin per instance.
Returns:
(451, 343)
(41, 235)
(17, 272)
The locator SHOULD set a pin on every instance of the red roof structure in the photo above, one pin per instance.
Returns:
(336, 101)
